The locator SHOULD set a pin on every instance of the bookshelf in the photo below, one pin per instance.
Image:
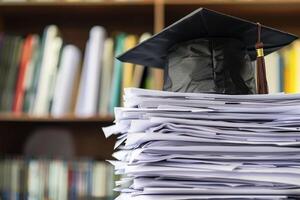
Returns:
(75, 18)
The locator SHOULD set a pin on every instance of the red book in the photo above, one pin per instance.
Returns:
(24, 63)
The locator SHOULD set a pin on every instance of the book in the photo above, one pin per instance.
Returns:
(128, 68)
(12, 67)
(27, 51)
(99, 177)
(65, 82)
(2, 50)
(273, 72)
(31, 91)
(149, 81)
(106, 77)
(57, 181)
(30, 74)
(35, 186)
(87, 102)
(117, 74)
(281, 61)
(291, 57)
(287, 75)
(49, 65)
(139, 69)
(4, 58)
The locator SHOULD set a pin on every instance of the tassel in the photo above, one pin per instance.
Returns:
(262, 84)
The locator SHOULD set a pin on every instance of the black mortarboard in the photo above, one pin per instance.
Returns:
(207, 51)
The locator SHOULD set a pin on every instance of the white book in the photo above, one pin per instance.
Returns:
(99, 180)
(33, 180)
(273, 72)
(62, 181)
(106, 76)
(68, 69)
(87, 100)
(49, 65)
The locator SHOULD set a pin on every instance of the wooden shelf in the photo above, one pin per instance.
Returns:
(79, 3)
(251, 7)
(87, 5)
(142, 2)
(233, 2)
(82, 6)
(84, 9)
(70, 119)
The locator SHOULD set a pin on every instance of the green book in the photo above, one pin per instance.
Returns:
(117, 74)
(4, 58)
(11, 70)
(3, 47)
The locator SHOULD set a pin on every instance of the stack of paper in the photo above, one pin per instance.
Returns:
(207, 146)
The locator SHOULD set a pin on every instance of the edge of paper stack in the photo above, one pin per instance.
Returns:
(179, 146)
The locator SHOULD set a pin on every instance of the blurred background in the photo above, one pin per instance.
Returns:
(59, 83)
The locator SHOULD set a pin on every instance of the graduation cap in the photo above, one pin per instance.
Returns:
(208, 51)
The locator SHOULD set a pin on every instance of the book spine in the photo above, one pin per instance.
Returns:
(25, 58)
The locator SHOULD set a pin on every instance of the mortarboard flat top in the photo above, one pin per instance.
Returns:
(204, 23)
